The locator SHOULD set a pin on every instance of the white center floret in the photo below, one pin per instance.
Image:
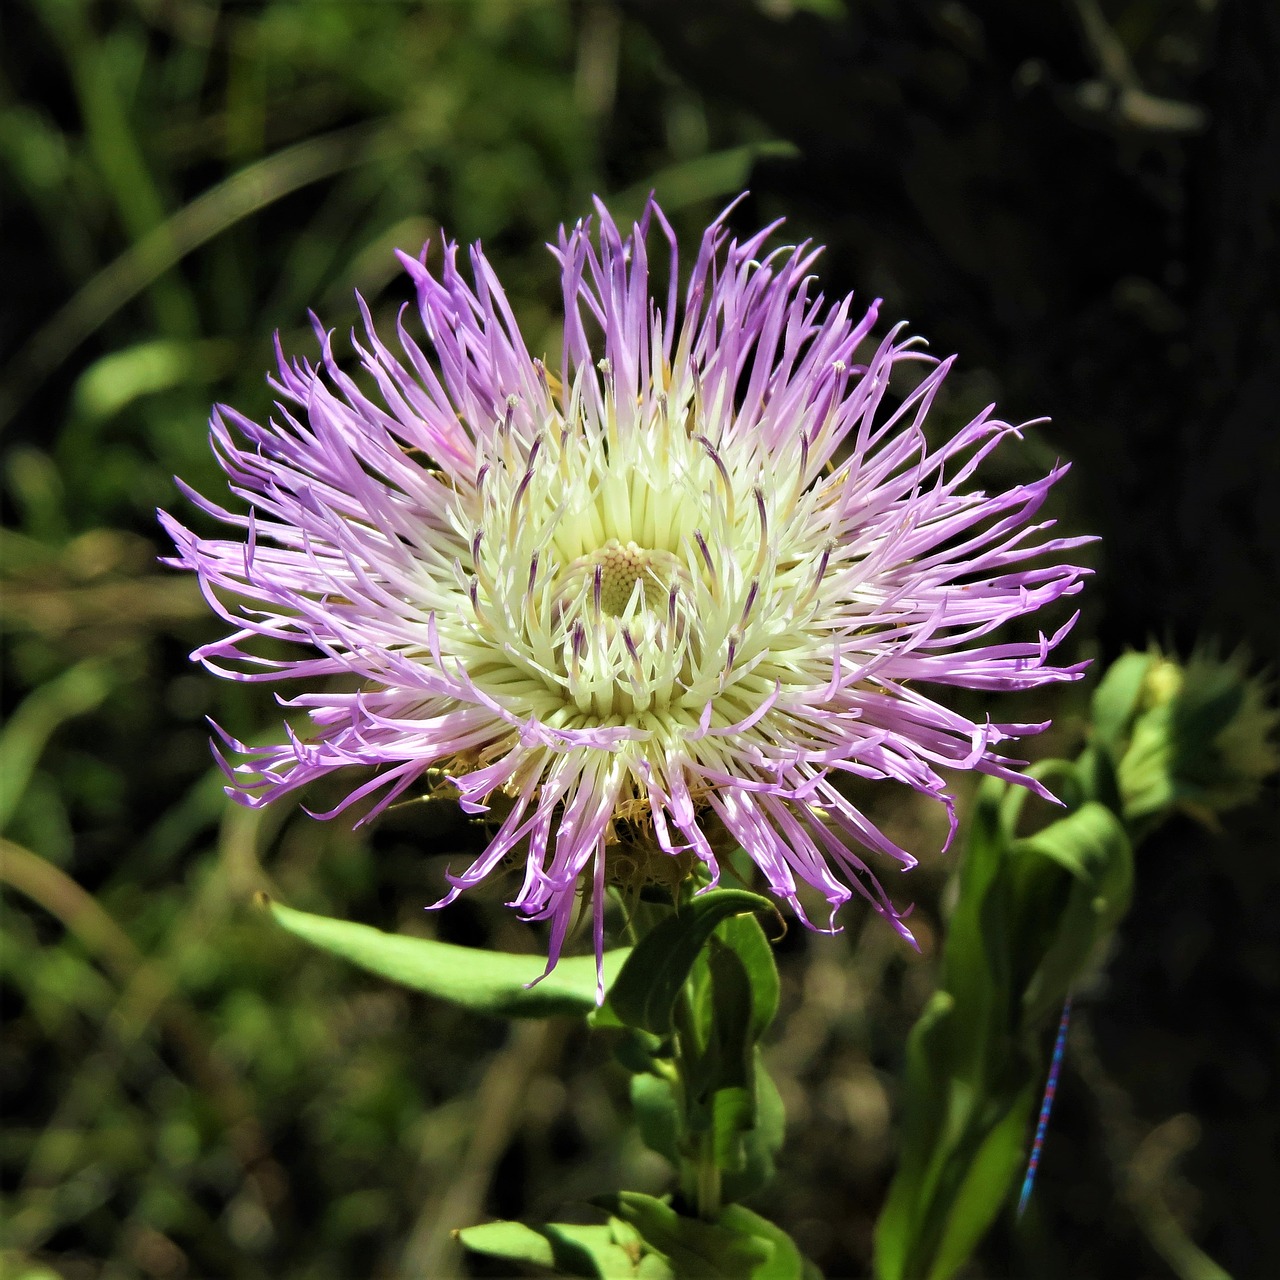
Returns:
(631, 577)
(638, 575)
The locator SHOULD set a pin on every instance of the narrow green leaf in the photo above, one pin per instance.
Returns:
(924, 1140)
(486, 981)
(650, 980)
(120, 377)
(715, 176)
(994, 1164)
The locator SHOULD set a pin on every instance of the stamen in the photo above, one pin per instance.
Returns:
(822, 564)
(735, 639)
(577, 648)
(477, 564)
(823, 561)
(726, 483)
(631, 646)
(763, 552)
(482, 614)
(523, 488)
(640, 691)
(706, 553)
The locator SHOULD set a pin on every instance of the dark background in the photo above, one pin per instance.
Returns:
(1081, 198)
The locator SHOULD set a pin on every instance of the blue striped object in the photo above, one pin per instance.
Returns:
(1046, 1106)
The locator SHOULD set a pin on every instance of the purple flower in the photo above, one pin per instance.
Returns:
(675, 585)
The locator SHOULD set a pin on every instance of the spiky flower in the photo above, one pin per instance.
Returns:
(677, 585)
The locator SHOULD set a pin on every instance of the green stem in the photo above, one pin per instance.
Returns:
(708, 1179)
(700, 1176)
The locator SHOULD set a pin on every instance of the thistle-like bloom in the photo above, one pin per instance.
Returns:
(677, 585)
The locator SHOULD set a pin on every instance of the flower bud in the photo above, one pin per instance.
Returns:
(1193, 736)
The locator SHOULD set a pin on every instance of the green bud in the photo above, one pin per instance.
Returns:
(1193, 736)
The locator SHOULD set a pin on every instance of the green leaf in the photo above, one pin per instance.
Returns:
(486, 981)
(725, 1003)
(1030, 914)
(715, 176)
(721, 1078)
(657, 1115)
(926, 1106)
(610, 1252)
(760, 1144)
(787, 1262)
(747, 939)
(650, 981)
(1091, 845)
(994, 1163)
(116, 379)
(739, 1246)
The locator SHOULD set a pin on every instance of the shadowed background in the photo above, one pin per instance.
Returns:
(1080, 197)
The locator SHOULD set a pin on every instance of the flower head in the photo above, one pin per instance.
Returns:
(677, 584)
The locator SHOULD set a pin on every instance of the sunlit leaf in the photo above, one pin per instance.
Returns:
(485, 981)
(567, 1249)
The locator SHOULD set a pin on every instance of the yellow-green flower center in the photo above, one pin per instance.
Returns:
(631, 578)
(639, 575)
